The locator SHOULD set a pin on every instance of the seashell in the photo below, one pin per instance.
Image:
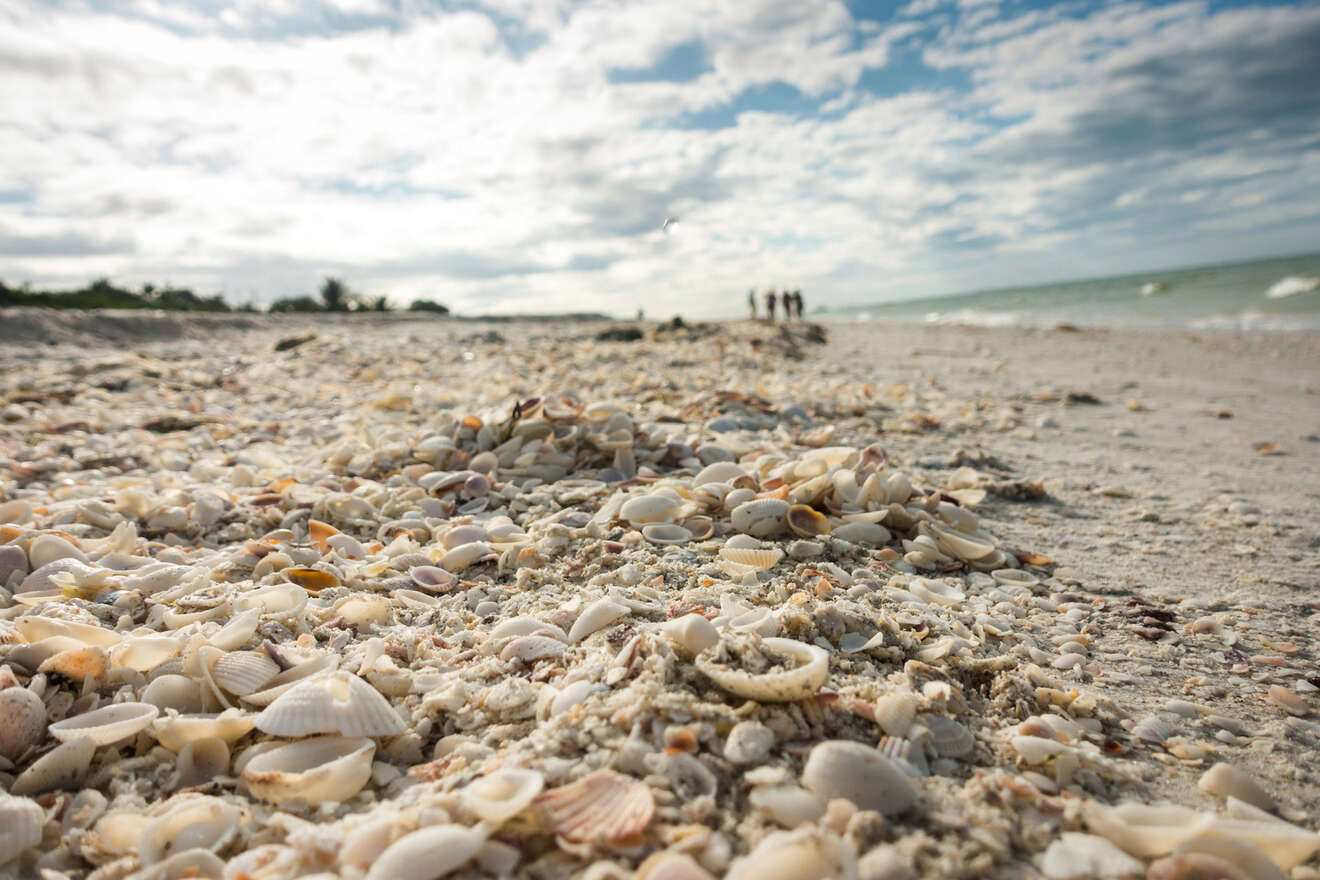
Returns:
(960, 544)
(950, 739)
(244, 672)
(760, 517)
(428, 853)
(908, 755)
(788, 805)
(1282, 842)
(175, 731)
(62, 767)
(671, 866)
(313, 580)
(598, 614)
(193, 822)
(666, 533)
(692, 631)
(363, 609)
(177, 692)
(936, 592)
(432, 578)
(804, 679)
(718, 472)
(34, 628)
(1037, 749)
(77, 664)
(144, 653)
(756, 558)
(1145, 831)
(460, 535)
(202, 761)
(899, 488)
(501, 795)
(527, 626)
(282, 602)
(47, 548)
(793, 855)
(1085, 855)
(894, 712)
(653, 508)
(465, 555)
(1287, 700)
(701, 527)
(109, 724)
(1225, 780)
(290, 677)
(807, 521)
(529, 649)
(1014, 577)
(21, 824)
(1153, 729)
(41, 579)
(322, 769)
(860, 774)
(339, 703)
(237, 632)
(863, 533)
(1246, 858)
(22, 722)
(749, 742)
(604, 806)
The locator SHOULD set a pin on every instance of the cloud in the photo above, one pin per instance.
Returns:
(61, 244)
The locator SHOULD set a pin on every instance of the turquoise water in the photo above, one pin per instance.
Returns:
(1273, 294)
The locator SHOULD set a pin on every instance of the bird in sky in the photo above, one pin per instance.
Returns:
(669, 221)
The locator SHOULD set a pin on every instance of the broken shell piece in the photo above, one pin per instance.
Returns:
(1287, 700)
(791, 855)
(177, 692)
(692, 631)
(338, 703)
(604, 806)
(788, 805)
(313, 580)
(465, 555)
(194, 822)
(1076, 855)
(323, 769)
(808, 674)
(499, 796)
(428, 853)
(654, 508)
(936, 592)
(201, 761)
(1145, 831)
(1225, 780)
(174, 731)
(894, 712)
(859, 773)
(144, 653)
(598, 614)
(77, 664)
(529, 649)
(950, 738)
(107, 725)
(63, 767)
(34, 628)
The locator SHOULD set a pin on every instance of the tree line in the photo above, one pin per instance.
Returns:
(335, 296)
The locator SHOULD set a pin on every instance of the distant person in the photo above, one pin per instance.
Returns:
(788, 305)
(797, 303)
(770, 305)
(751, 302)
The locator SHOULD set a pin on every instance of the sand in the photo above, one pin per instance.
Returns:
(1169, 479)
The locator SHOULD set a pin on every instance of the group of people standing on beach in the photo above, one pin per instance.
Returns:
(791, 299)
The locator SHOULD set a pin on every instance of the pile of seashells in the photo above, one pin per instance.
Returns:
(691, 636)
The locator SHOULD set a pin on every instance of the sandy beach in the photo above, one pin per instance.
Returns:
(1087, 577)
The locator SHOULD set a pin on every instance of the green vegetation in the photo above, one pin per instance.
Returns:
(426, 305)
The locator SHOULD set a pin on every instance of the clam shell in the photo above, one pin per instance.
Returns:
(339, 703)
(859, 773)
(45, 549)
(499, 796)
(465, 534)
(192, 822)
(531, 648)
(598, 614)
(62, 767)
(109, 724)
(465, 555)
(282, 602)
(175, 731)
(718, 472)
(760, 517)
(313, 580)
(756, 558)
(244, 672)
(322, 769)
(809, 673)
(666, 533)
(144, 653)
(428, 853)
(432, 578)
(603, 806)
(21, 824)
(807, 521)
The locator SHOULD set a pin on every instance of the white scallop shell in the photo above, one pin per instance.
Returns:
(322, 769)
(693, 631)
(174, 731)
(465, 555)
(290, 677)
(804, 679)
(859, 773)
(603, 806)
(62, 767)
(109, 724)
(666, 533)
(756, 558)
(503, 794)
(428, 853)
(244, 672)
(598, 614)
(21, 823)
(339, 703)
(760, 517)
(193, 822)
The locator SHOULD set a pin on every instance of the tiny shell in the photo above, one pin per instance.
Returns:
(21, 823)
(177, 692)
(950, 738)
(859, 773)
(863, 533)
(109, 724)
(503, 794)
(788, 805)
(671, 866)
(323, 769)
(756, 558)
(652, 508)
(427, 854)
(960, 544)
(604, 806)
(529, 649)
(201, 761)
(465, 555)
(338, 703)
(804, 679)
(432, 578)
(937, 592)
(666, 533)
(598, 614)
(693, 631)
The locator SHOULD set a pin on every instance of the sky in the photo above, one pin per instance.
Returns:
(504, 156)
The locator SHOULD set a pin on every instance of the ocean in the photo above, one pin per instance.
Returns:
(1279, 294)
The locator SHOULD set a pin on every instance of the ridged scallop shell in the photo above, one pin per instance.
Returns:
(428, 853)
(692, 631)
(290, 677)
(21, 823)
(666, 533)
(895, 710)
(756, 558)
(62, 767)
(653, 508)
(950, 738)
(109, 724)
(807, 521)
(501, 795)
(603, 807)
(313, 580)
(760, 517)
(193, 822)
(322, 769)
(339, 703)
(909, 756)
(174, 731)
(808, 675)
(598, 614)
(244, 672)
(465, 555)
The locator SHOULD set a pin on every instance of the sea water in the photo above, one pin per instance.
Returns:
(1274, 294)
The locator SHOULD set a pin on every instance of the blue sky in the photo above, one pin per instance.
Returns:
(520, 155)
